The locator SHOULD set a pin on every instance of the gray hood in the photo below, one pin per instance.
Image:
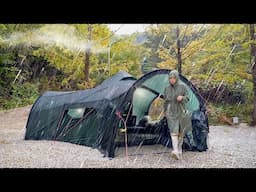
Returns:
(174, 73)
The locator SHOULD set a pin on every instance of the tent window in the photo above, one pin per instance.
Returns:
(76, 113)
(75, 116)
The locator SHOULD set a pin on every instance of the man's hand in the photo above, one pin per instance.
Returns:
(179, 98)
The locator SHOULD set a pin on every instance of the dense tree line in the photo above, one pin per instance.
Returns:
(218, 58)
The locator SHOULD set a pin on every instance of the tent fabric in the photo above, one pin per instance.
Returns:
(144, 96)
(94, 117)
(150, 87)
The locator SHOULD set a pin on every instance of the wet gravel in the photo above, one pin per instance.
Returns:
(229, 147)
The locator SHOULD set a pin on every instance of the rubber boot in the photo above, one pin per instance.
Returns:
(175, 152)
(180, 142)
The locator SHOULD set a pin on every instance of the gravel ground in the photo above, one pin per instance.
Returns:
(229, 147)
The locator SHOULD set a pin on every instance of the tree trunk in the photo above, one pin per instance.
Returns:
(88, 54)
(253, 56)
(178, 50)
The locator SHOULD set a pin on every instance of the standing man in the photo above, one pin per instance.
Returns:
(176, 96)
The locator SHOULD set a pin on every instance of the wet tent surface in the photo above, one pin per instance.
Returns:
(94, 117)
(229, 147)
(55, 115)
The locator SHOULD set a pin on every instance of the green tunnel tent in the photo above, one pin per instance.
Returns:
(95, 117)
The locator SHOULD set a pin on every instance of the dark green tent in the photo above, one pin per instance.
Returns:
(96, 117)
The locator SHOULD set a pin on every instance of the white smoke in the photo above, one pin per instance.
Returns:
(61, 35)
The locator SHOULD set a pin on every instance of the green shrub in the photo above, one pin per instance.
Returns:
(20, 95)
(243, 111)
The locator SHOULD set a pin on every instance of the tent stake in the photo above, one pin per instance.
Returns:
(125, 133)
